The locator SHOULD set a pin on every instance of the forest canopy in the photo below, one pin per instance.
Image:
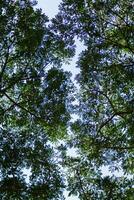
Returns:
(38, 98)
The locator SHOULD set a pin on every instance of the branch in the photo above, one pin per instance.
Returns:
(118, 147)
(115, 114)
(109, 100)
(4, 66)
(106, 122)
(8, 109)
(102, 144)
(6, 60)
(20, 106)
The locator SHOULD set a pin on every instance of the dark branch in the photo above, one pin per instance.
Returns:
(4, 66)
(106, 96)
(106, 122)
(118, 147)
(101, 144)
(20, 106)
(115, 114)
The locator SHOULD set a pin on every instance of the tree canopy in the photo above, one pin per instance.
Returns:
(36, 101)
(33, 102)
(104, 133)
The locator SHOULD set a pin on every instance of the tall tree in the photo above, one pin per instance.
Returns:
(104, 133)
(34, 102)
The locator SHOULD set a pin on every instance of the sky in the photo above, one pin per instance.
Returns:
(50, 8)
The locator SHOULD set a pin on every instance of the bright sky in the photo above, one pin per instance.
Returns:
(50, 8)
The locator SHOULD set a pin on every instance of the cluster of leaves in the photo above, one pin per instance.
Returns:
(104, 133)
(27, 167)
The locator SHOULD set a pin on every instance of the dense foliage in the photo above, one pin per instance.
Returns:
(34, 103)
(104, 133)
(36, 97)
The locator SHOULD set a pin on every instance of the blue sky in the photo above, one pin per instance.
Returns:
(50, 7)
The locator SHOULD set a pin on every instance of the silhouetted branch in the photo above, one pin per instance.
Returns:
(20, 106)
(115, 114)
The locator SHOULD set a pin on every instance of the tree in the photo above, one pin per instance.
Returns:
(28, 168)
(34, 102)
(103, 135)
(36, 96)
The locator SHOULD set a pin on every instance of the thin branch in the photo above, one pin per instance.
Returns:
(6, 60)
(109, 100)
(106, 122)
(103, 145)
(11, 106)
(117, 147)
(8, 109)
(115, 114)
(20, 106)
(4, 66)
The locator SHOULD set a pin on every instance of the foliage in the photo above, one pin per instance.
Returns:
(36, 97)
(104, 133)
(28, 169)
(34, 102)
